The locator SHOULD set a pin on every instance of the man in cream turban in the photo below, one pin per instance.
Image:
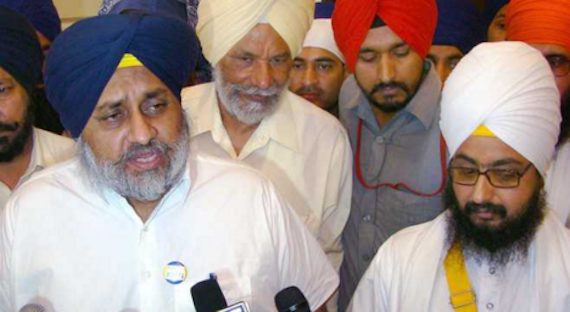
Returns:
(319, 71)
(544, 24)
(496, 247)
(248, 114)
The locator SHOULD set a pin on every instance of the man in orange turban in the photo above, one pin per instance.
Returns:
(545, 25)
(390, 106)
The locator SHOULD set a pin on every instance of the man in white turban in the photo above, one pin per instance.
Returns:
(496, 247)
(319, 70)
(247, 114)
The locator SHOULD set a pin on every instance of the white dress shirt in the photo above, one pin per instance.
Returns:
(48, 149)
(69, 248)
(557, 183)
(408, 274)
(302, 149)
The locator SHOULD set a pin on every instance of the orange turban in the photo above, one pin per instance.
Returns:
(539, 21)
(412, 20)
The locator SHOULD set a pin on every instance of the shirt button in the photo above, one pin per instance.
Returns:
(492, 270)
(367, 218)
(145, 229)
(379, 140)
(490, 306)
(366, 258)
(145, 275)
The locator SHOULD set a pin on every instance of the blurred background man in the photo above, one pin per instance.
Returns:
(319, 71)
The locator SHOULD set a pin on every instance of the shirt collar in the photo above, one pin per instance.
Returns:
(423, 105)
(280, 126)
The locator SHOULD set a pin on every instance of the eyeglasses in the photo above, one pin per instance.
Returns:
(499, 178)
(559, 65)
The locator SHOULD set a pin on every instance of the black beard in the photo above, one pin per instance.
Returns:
(10, 149)
(496, 246)
(386, 108)
(565, 124)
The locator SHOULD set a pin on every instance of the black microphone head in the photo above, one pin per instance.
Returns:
(208, 296)
(291, 299)
(32, 307)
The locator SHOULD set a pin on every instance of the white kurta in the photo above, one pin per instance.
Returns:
(48, 150)
(302, 149)
(70, 249)
(558, 183)
(408, 275)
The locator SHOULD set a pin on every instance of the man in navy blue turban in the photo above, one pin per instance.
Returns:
(133, 222)
(43, 16)
(458, 30)
(494, 19)
(24, 149)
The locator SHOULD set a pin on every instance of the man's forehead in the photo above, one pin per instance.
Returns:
(488, 150)
(4, 75)
(381, 36)
(551, 48)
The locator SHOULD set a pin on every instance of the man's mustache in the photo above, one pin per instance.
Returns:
(9, 127)
(471, 208)
(385, 85)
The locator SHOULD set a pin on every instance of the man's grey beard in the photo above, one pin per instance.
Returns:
(247, 112)
(496, 246)
(144, 186)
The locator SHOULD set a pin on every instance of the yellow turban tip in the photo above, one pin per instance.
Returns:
(482, 130)
(129, 60)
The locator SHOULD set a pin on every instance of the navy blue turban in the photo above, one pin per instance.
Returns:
(83, 59)
(324, 10)
(42, 14)
(492, 7)
(20, 51)
(458, 25)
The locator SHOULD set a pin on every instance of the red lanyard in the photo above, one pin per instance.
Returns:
(442, 148)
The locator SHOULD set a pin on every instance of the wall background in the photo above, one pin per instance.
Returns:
(71, 11)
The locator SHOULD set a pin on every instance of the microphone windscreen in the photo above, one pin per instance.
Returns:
(208, 296)
(32, 307)
(291, 299)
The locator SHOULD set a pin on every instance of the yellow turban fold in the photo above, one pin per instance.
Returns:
(223, 23)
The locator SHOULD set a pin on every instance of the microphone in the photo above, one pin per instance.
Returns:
(208, 296)
(291, 299)
(32, 307)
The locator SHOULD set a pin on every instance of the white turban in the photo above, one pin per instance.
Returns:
(509, 88)
(321, 36)
(223, 23)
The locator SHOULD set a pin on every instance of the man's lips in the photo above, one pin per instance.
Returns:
(146, 161)
(388, 91)
(256, 98)
(310, 96)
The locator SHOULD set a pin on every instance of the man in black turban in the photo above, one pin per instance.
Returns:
(132, 223)
(23, 148)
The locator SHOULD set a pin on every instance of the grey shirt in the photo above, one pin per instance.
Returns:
(406, 150)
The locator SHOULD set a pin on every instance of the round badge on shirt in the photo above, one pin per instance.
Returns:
(175, 272)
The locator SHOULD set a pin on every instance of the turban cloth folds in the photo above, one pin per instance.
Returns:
(223, 23)
(84, 58)
(41, 13)
(517, 100)
(458, 24)
(539, 21)
(414, 21)
(321, 36)
(20, 51)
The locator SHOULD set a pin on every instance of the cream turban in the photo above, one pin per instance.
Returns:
(321, 36)
(509, 88)
(223, 23)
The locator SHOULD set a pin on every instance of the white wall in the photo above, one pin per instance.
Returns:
(71, 11)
